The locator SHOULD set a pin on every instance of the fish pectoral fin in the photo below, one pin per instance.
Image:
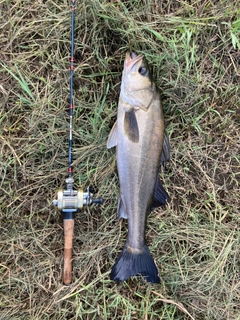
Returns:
(131, 126)
(121, 210)
(160, 196)
(112, 138)
(165, 154)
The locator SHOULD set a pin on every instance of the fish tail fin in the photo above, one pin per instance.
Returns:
(130, 264)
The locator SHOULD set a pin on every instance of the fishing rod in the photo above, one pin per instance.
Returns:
(69, 201)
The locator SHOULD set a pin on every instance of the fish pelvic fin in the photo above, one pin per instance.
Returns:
(160, 196)
(131, 264)
(121, 210)
(165, 154)
(112, 138)
(131, 126)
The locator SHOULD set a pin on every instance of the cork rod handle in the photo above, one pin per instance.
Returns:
(68, 239)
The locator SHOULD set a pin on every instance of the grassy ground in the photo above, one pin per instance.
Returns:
(193, 50)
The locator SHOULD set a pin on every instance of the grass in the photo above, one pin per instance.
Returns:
(193, 52)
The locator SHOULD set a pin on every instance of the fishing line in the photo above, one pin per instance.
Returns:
(70, 160)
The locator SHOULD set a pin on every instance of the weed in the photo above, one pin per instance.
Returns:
(193, 52)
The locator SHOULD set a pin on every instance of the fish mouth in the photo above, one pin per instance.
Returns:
(131, 59)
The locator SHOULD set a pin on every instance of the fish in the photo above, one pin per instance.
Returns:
(141, 146)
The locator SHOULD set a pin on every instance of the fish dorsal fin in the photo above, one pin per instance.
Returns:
(112, 138)
(131, 126)
(165, 154)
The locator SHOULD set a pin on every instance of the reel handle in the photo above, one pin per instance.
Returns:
(68, 226)
(97, 201)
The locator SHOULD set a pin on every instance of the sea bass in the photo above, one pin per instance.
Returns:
(141, 145)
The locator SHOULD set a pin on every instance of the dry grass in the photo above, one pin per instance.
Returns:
(193, 51)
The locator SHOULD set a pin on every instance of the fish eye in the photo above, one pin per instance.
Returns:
(143, 71)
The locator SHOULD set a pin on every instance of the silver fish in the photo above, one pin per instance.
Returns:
(141, 145)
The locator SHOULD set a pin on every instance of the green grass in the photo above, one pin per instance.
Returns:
(193, 53)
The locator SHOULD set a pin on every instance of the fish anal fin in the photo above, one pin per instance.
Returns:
(160, 196)
(121, 210)
(112, 138)
(131, 126)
